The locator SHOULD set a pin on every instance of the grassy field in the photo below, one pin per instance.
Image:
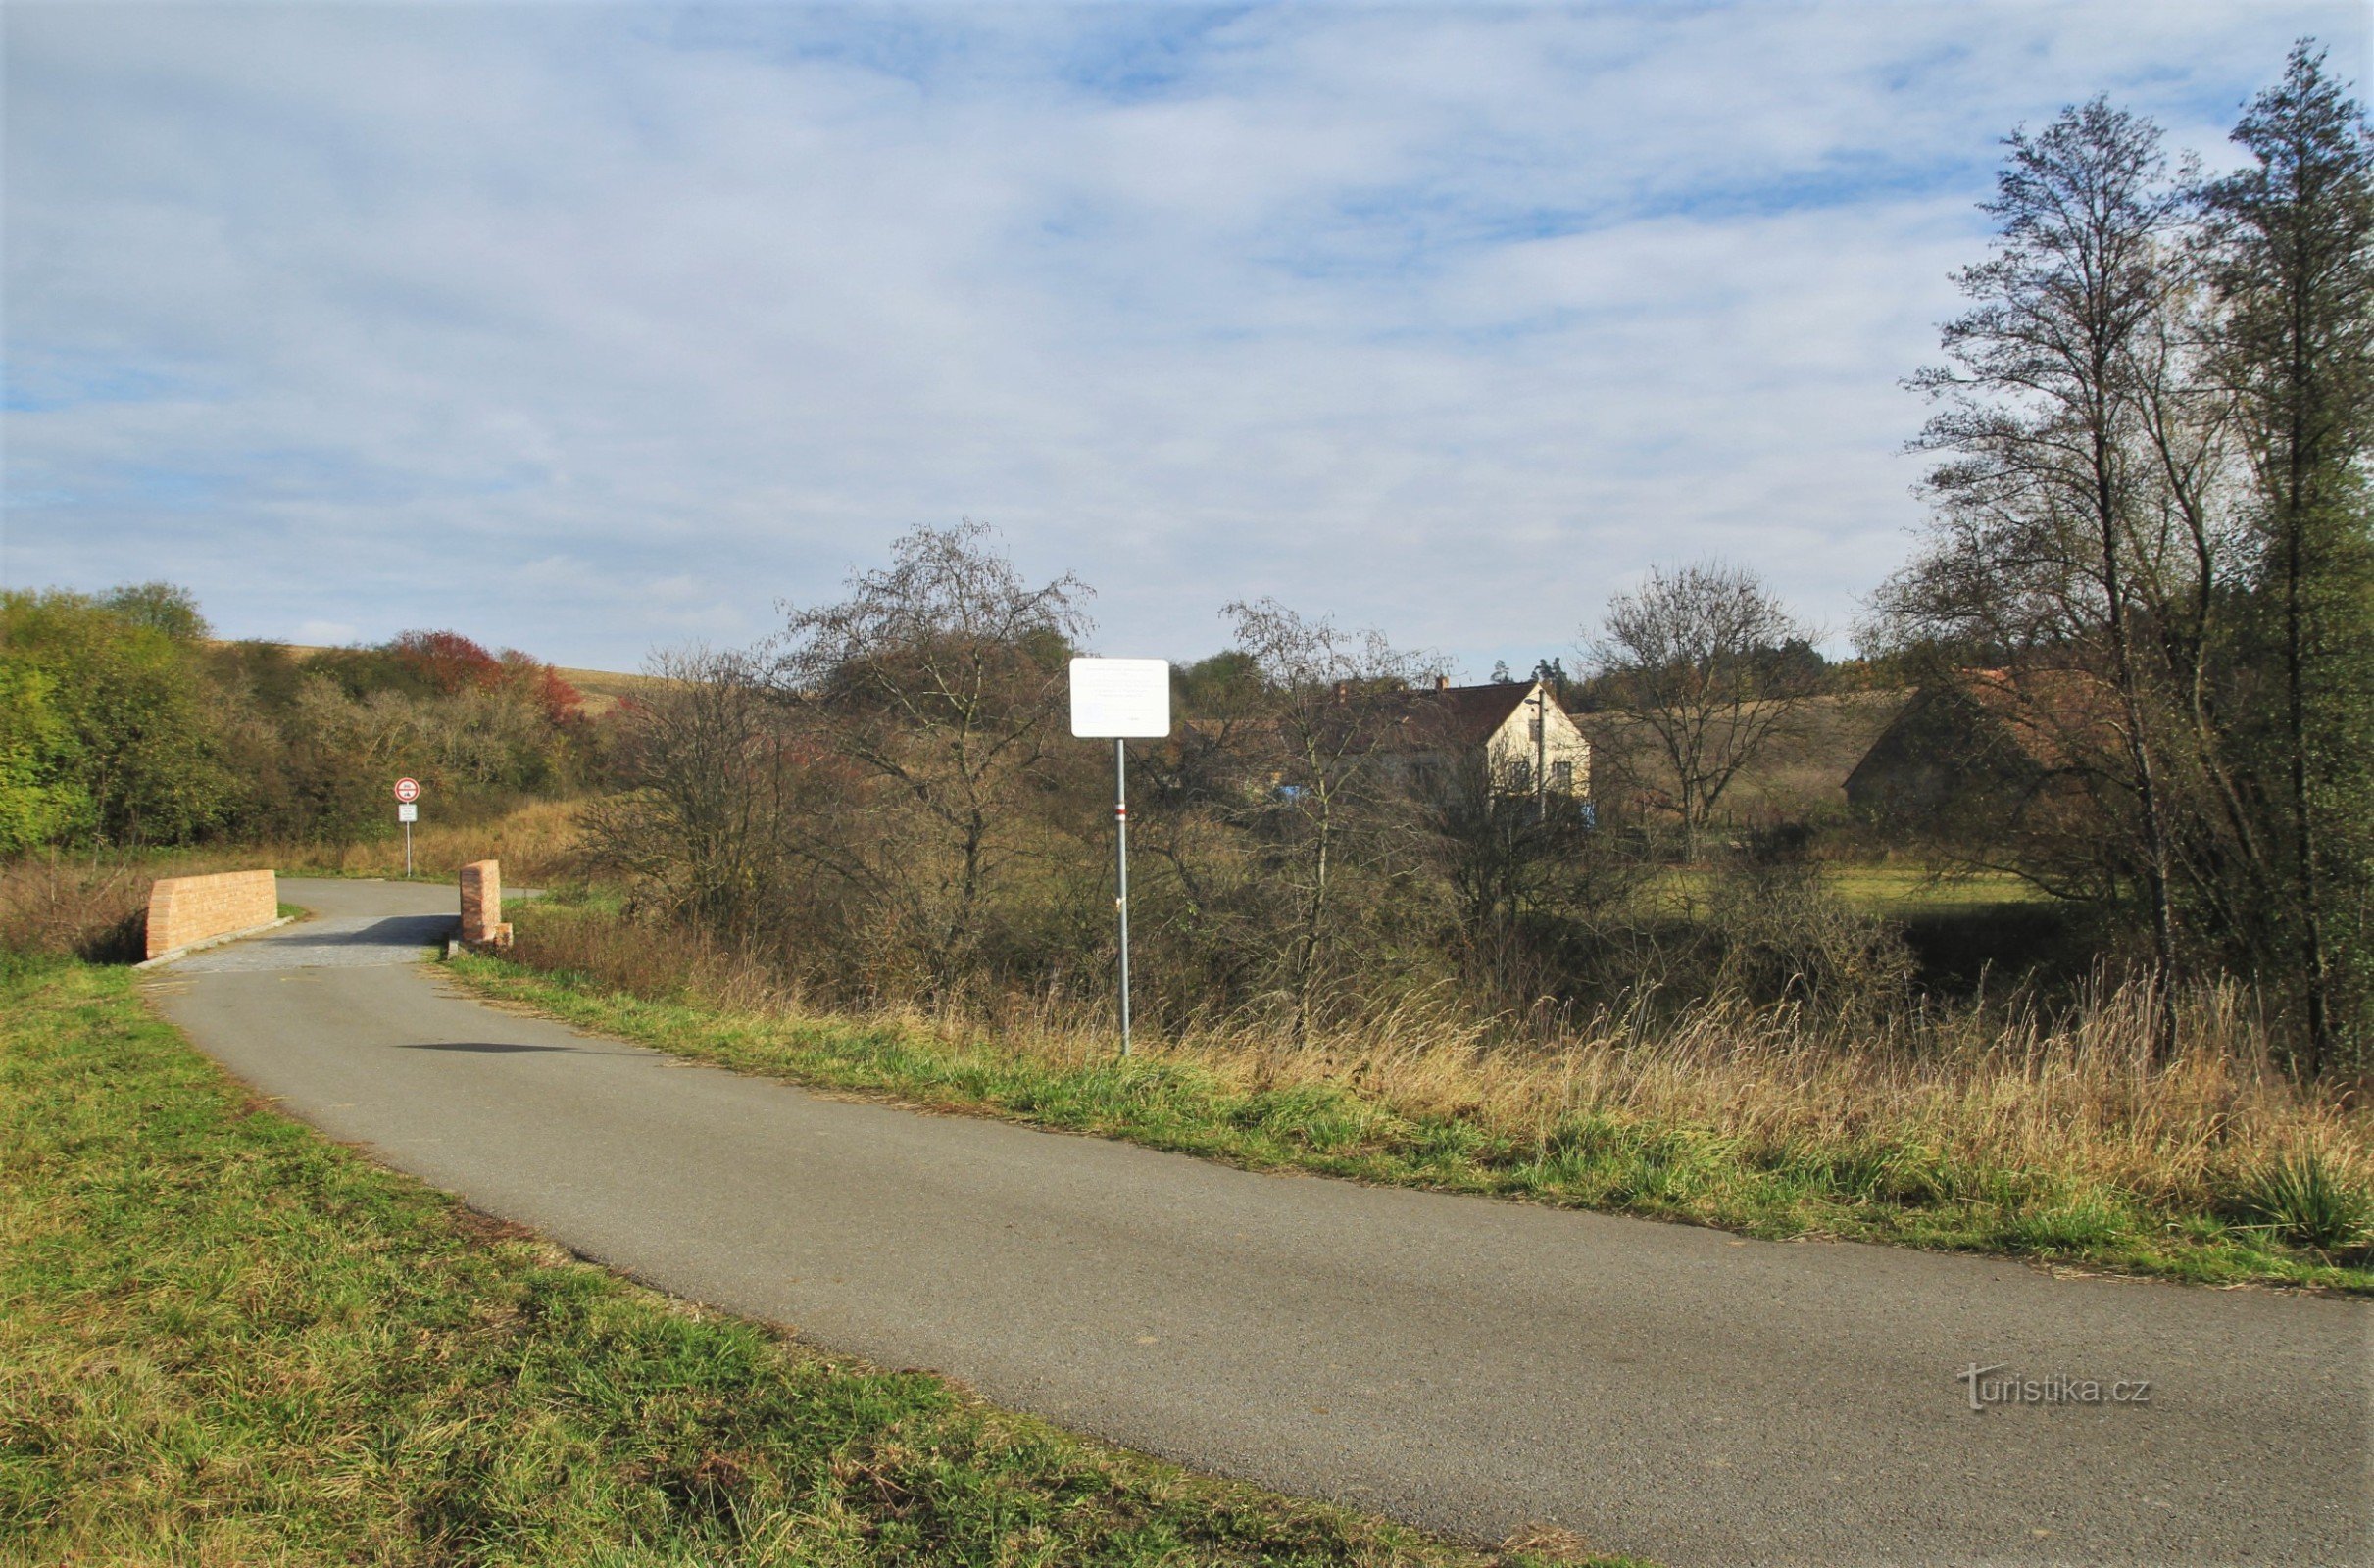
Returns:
(604, 689)
(1902, 890)
(1892, 892)
(2040, 1145)
(226, 1341)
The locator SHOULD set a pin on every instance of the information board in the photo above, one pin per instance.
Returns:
(1120, 699)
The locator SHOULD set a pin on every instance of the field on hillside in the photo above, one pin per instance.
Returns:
(604, 689)
(1802, 776)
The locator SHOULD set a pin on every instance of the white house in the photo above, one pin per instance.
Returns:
(1517, 726)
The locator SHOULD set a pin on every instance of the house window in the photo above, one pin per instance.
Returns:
(1561, 778)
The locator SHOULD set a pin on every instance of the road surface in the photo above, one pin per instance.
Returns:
(1469, 1365)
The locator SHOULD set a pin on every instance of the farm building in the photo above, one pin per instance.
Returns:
(1997, 740)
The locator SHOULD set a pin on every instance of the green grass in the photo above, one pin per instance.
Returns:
(1889, 892)
(1869, 1189)
(225, 1339)
(1901, 890)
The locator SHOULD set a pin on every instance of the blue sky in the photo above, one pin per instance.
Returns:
(588, 329)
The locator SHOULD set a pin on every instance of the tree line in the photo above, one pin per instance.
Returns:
(124, 723)
(886, 801)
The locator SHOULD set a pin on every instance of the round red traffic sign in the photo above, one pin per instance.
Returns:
(408, 790)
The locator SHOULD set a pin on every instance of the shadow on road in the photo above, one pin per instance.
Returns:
(396, 931)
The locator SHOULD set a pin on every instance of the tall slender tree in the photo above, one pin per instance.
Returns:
(2046, 474)
(2293, 241)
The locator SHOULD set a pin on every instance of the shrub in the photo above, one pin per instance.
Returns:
(2302, 1199)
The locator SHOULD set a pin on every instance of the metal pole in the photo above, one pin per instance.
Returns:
(1120, 871)
(408, 852)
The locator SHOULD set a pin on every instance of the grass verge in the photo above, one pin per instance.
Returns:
(226, 1340)
(1923, 1162)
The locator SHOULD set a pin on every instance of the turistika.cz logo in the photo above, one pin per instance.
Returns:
(1992, 1385)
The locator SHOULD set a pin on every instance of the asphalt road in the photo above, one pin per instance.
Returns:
(1469, 1365)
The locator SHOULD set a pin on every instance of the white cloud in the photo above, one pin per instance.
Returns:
(582, 329)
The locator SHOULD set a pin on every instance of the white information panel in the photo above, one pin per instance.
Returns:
(1120, 699)
(407, 811)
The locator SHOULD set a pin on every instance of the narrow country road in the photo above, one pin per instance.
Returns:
(1469, 1365)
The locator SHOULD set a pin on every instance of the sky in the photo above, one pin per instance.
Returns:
(594, 329)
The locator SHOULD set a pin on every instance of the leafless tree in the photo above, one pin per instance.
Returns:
(937, 683)
(1693, 658)
(1510, 868)
(704, 757)
(1318, 749)
(2058, 492)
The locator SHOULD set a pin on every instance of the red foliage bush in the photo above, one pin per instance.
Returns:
(447, 659)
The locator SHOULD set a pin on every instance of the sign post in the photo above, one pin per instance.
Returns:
(1115, 699)
(408, 791)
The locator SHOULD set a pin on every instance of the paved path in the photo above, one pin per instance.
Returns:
(1472, 1365)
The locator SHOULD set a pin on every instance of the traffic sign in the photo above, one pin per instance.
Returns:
(408, 790)
(408, 812)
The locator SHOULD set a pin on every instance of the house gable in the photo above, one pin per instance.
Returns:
(1496, 721)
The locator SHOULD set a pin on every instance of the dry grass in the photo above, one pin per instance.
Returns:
(1802, 775)
(71, 906)
(535, 843)
(2069, 1092)
(605, 689)
(2027, 1127)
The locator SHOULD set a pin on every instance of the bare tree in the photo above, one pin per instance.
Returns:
(937, 681)
(2054, 493)
(1328, 695)
(1694, 658)
(704, 757)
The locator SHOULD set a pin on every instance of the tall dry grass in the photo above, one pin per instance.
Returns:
(71, 906)
(536, 842)
(1943, 1092)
